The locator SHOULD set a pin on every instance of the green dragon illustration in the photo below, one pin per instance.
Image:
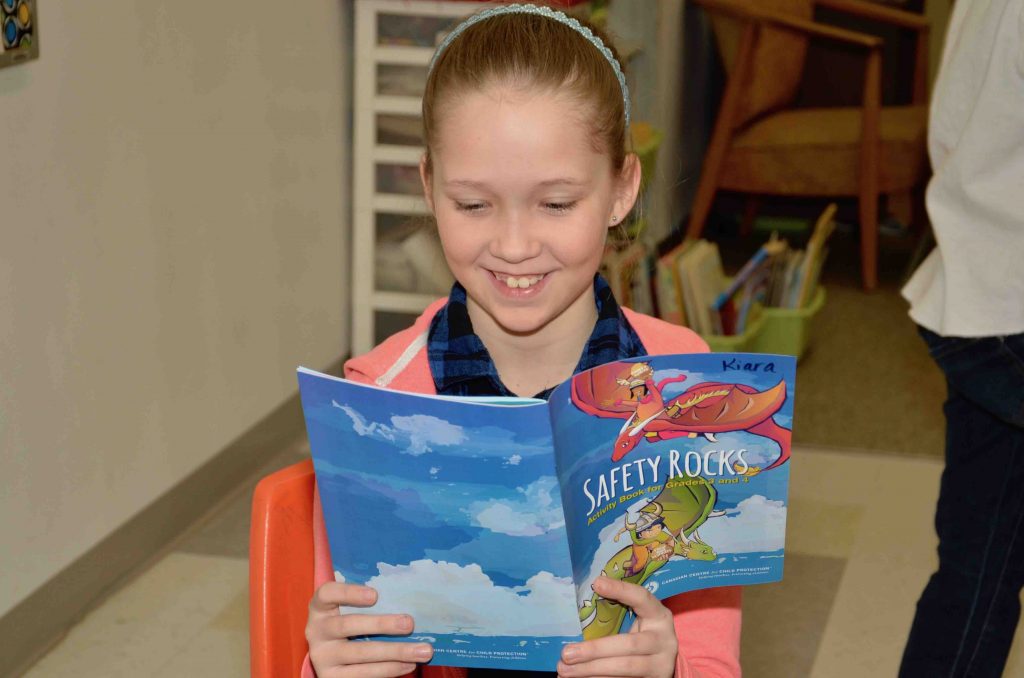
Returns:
(666, 527)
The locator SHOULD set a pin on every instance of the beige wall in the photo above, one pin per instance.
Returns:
(173, 211)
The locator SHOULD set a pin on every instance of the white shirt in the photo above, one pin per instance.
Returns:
(972, 285)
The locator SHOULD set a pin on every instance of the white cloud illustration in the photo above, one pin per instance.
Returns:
(445, 597)
(536, 510)
(364, 428)
(420, 430)
(424, 430)
(756, 524)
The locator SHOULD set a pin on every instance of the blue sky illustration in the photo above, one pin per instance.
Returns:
(451, 493)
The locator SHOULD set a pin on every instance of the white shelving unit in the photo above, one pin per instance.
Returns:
(395, 40)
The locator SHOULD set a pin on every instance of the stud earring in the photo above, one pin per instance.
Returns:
(615, 219)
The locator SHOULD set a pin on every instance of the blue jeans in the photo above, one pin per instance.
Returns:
(968, 612)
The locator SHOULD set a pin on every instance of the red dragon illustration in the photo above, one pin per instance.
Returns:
(627, 391)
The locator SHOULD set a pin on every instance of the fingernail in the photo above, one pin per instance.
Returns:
(570, 652)
(405, 623)
(368, 595)
(423, 652)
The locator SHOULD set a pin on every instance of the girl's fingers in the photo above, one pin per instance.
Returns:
(644, 605)
(611, 646)
(344, 653)
(332, 594)
(649, 650)
(349, 625)
(328, 633)
(638, 665)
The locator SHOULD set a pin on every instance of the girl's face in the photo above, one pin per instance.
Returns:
(523, 203)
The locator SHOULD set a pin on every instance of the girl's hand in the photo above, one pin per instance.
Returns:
(328, 633)
(647, 651)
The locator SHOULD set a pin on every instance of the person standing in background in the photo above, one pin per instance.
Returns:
(968, 301)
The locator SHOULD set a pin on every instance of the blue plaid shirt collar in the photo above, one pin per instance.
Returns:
(461, 365)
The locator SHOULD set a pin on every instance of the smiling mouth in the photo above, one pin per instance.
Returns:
(521, 282)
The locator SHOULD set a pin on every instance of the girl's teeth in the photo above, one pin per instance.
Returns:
(522, 283)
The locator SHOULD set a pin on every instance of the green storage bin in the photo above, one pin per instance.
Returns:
(787, 330)
(738, 343)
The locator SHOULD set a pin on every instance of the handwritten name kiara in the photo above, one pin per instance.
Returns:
(736, 365)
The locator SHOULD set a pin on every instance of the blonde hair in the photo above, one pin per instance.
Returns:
(532, 52)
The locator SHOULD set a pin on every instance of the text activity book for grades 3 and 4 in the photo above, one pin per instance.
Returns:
(487, 519)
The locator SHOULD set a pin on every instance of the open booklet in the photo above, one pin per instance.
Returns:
(487, 519)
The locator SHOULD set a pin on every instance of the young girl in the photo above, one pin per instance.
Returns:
(526, 115)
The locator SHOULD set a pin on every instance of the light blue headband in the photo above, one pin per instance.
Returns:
(551, 14)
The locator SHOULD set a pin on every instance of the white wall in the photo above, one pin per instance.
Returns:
(173, 220)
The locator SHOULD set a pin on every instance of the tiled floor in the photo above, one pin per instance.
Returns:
(187, 615)
(860, 550)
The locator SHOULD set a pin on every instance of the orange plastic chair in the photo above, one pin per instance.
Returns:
(280, 570)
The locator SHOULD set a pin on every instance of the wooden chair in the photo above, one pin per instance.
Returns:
(761, 146)
(280, 570)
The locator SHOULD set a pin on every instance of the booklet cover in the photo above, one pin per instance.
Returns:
(487, 519)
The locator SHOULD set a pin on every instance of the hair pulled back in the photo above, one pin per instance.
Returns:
(531, 52)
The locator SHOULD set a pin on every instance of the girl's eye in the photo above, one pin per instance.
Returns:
(469, 206)
(560, 206)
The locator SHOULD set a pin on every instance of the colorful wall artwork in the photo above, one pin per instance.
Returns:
(19, 31)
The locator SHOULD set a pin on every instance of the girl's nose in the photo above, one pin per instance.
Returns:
(514, 240)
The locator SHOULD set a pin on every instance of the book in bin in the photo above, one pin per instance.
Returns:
(487, 519)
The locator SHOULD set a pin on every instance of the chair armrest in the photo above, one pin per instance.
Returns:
(896, 17)
(901, 19)
(791, 23)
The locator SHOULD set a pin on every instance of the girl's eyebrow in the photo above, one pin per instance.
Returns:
(567, 181)
(561, 181)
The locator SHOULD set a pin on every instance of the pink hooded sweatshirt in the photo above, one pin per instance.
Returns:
(707, 622)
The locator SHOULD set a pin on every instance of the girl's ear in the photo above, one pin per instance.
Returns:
(426, 179)
(627, 186)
